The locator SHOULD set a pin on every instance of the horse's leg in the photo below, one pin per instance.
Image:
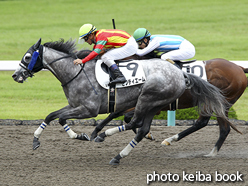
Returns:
(100, 126)
(75, 113)
(128, 116)
(224, 131)
(200, 123)
(39, 130)
(139, 136)
(127, 119)
(63, 114)
(109, 132)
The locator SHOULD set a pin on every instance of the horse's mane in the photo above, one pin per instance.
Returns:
(68, 47)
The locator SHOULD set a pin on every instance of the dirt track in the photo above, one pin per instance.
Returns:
(63, 161)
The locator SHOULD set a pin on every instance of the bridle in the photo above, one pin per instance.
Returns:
(30, 72)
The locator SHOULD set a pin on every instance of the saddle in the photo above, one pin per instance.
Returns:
(156, 54)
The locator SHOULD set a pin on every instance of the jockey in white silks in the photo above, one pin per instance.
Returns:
(174, 47)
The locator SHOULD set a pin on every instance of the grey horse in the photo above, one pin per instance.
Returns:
(164, 83)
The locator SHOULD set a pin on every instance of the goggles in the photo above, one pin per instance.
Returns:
(82, 40)
(140, 42)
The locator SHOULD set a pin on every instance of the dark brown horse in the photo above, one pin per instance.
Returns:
(227, 76)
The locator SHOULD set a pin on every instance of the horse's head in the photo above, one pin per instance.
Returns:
(31, 62)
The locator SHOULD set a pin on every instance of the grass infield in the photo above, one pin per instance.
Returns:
(218, 29)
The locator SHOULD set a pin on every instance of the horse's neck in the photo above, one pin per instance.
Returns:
(63, 69)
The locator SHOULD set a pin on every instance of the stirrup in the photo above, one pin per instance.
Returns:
(115, 81)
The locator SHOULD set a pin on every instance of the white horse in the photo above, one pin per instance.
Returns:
(87, 98)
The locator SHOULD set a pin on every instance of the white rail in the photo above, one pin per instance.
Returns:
(12, 65)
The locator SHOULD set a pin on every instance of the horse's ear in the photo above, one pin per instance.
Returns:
(37, 44)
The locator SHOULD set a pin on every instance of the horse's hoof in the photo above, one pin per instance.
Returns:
(165, 143)
(83, 136)
(99, 139)
(93, 136)
(36, 143)
(114, 162)
(150, 136)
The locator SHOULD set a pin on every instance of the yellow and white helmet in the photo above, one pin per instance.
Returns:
(84, 31)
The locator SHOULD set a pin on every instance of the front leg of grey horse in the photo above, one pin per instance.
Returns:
(49, 118)
(63, 113)
(37, 134)
(100, 126)
(74, 113)
(110, 132)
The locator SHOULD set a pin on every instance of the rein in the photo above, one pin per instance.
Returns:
(82, 69)
(63, 85)
(73, 77)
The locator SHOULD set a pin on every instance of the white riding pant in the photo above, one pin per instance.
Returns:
(127, 50)
(185, 51)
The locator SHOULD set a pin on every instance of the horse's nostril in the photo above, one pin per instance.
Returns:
(13, 76)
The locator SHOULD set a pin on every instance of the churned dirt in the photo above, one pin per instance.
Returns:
(63, 161)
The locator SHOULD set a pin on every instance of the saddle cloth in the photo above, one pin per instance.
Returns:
(197, 68)
(132, 70)
(135, 75)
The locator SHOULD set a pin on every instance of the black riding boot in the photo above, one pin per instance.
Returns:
(118, 77)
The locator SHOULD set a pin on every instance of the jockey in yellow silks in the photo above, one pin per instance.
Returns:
(120, 43)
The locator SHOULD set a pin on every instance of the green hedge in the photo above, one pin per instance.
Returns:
(191, 113)
(186, 114)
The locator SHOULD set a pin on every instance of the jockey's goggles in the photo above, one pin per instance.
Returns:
(140, 42)
(83, 39)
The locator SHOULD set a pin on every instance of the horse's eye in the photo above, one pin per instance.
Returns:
(27, 57)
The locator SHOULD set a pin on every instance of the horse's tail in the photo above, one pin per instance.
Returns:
(245, 71)
(209, 98)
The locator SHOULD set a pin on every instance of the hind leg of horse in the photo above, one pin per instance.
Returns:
(100, 126)
(139, 136)
(224, 131)
(128, 116)
(200, 123)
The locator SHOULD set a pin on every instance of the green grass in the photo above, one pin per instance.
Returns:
(34, 99)
(241, 106)
(216, 28)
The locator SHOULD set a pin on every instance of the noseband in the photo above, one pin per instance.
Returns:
(27, 73)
